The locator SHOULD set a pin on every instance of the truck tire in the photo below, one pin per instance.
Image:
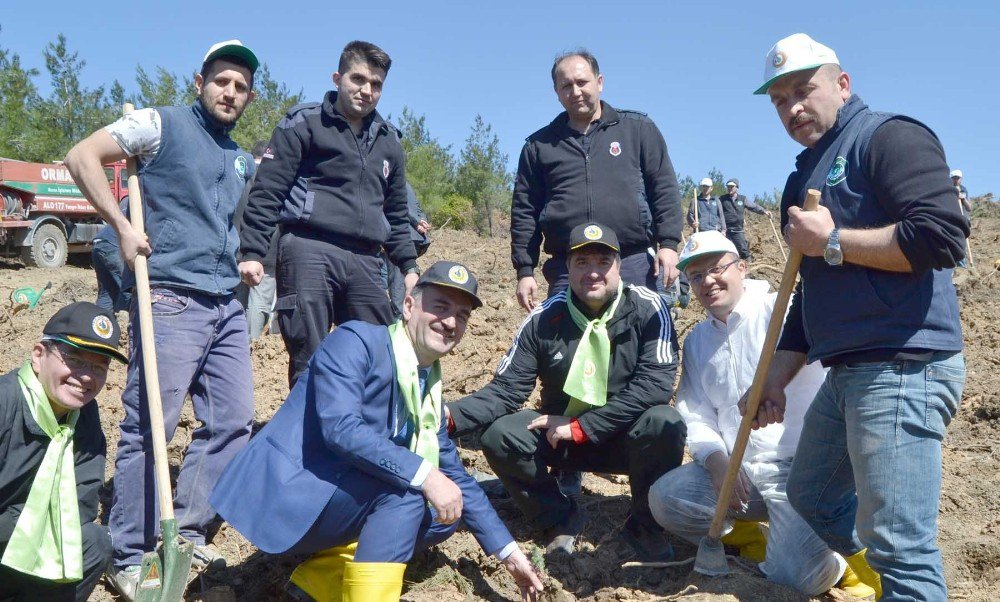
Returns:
(48, 248)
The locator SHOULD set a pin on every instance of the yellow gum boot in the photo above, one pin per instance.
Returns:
(749, 537)
(858, 565)
(373, 581)
(321, 576)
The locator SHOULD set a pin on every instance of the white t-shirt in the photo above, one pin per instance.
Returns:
(138, 133)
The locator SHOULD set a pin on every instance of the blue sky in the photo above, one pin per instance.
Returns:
(690, 65)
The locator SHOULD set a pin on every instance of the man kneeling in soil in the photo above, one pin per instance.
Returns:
(346, 468)
(53, 460)
(606, 354)
(720, 358)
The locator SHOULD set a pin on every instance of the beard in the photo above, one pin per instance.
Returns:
(226, 119)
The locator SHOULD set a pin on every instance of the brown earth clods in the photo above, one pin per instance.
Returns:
(458, 570)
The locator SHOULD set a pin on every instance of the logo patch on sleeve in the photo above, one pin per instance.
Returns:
(385, 168)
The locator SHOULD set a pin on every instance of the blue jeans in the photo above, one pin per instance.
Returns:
(202, 350)
(108, 267)
(867, 472)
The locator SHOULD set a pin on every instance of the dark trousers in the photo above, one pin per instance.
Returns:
(321, 284)
(18, 587)
(651, 447)
(635, 269)
(389, 525)
(740, 240)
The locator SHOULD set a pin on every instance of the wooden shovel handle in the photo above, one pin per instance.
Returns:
(763, 365)
(150, 372)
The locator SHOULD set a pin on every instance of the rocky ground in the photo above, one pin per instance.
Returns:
(458, 570)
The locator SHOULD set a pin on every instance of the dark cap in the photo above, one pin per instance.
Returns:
(86, 326)
(592, 233)
(733, 181)
(453, 275)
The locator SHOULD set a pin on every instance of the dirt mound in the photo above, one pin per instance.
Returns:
(458, 570)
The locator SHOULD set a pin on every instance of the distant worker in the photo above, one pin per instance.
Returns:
(733, 204)
(109, 267)
(593, 163)
(709, 210)
(963, 192)
(419, 227)
(53, 452)
(258, 300)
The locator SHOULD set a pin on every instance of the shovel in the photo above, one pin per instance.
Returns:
(163, 575)
(711, 557)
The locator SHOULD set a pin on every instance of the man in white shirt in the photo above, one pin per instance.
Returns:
(719, 360)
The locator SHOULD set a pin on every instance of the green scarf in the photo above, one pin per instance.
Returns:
(426, 413)
(587, 379)
(47, 541)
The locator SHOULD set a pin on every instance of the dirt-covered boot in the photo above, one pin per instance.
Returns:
(864, 572)
(749, 538)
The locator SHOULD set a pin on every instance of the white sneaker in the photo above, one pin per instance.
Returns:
(125, 580)
(207, 557)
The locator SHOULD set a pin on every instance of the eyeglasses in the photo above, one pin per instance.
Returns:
(713, 272)
(77, 364)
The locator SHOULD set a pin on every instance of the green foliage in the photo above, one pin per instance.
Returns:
(482, 175)
(430, 169)
(17, 91)
(163, 90)
(272, 102)
(454, 211)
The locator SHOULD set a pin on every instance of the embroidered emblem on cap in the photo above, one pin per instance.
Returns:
(102, 327)
(838, 172)
(593, 232)
(616, 149)
(241, 166)
(458, 274)
(385, 168)
(690, 246)
(779, 58)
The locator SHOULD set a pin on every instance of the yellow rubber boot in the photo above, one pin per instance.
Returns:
(749, 538)
(864, 572)
(373, 581)
(321, 576)
(853, 585)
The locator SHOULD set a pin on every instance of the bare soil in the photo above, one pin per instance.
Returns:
(458, 570)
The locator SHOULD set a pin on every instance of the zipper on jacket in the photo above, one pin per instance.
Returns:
(361, 181)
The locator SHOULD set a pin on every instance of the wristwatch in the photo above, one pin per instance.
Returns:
(833, 255)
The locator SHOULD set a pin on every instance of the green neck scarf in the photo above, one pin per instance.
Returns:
(587, 379)
(426, 412)
(47, 541)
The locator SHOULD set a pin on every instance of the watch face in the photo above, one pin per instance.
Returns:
(833, 255)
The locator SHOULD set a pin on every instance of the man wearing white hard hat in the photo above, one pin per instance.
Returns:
(963, 192)
(709, 214)
(877, 307)
(719, 361)
(192, 175)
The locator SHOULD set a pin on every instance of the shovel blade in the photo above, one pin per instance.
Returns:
(163, 576)
(711, 558)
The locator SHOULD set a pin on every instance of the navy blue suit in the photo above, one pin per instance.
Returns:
(324, 472)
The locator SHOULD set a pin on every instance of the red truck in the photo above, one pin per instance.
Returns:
(45, 216)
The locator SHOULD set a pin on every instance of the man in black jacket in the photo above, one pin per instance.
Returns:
(50, 550)
(733, 204)
(606, 355)
(593, 163)
(333, 179)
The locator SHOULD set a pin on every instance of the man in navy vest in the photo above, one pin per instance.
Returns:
(192, 175)
(877, 307)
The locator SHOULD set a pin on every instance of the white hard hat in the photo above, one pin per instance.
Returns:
(709, 242)
(706, 182)
(956, 173)
(797, 52)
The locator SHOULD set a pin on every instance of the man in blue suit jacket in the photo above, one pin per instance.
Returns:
(357, 467)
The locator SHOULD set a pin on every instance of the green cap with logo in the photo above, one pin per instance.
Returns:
(452, 275)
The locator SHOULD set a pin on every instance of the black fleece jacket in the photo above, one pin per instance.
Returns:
(640, 375)
(320, 180)
(626, 182)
